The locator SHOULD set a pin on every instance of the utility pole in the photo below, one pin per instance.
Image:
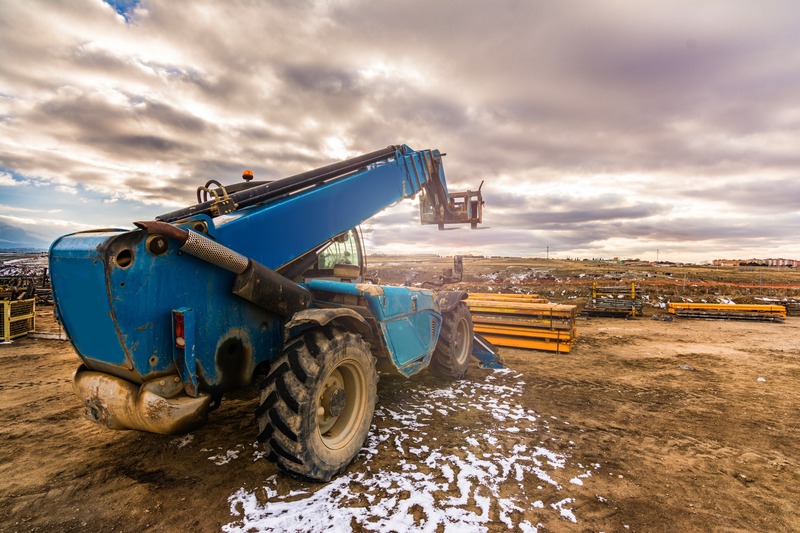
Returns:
(548, 252)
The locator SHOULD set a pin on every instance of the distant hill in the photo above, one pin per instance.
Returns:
(4, 250)
(17, 239)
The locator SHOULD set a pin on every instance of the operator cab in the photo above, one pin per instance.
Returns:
(341, 259)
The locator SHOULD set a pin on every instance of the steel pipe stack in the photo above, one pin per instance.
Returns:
(762, 313)
(523, 321)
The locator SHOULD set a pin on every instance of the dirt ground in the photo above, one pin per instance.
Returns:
(645, 426)
(686, 436)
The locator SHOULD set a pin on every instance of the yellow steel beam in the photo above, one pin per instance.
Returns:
(732, 308)
(545, 334)
(523, 321)
(530, 298)
(522, 308)
(531, 344)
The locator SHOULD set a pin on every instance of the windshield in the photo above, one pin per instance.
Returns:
(342, 251)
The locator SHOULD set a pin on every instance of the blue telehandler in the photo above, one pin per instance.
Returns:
(263, 283)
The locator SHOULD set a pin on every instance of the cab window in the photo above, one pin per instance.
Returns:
(342, 251)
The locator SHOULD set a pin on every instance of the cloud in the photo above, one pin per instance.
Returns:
(7, 180)
(592, 123)
(776, 197)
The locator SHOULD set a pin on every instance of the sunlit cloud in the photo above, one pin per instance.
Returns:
(598, 128)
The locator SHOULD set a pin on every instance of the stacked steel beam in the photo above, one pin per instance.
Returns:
(523, 321)
(792, 306)
(764, 313)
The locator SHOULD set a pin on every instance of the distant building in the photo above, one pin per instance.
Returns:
(783, 262)
(794, 263)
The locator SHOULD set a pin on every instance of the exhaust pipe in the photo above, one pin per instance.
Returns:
(254, 282)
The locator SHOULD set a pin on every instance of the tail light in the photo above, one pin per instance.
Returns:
(179, 329)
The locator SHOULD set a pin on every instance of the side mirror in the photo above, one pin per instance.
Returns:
(458, 265)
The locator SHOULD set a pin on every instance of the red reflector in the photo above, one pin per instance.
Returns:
(177, 323)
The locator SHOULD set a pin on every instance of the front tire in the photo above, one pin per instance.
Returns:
(317, 403)
(454, 347)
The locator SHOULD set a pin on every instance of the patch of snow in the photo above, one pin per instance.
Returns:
(457, 487)
(180, 442)
(563, 511)
(227, 457)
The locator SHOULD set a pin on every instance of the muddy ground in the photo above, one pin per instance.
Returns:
(645, 426)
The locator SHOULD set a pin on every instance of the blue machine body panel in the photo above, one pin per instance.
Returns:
(409, 319)
(120, 318)
(78, 270)
(115, 297)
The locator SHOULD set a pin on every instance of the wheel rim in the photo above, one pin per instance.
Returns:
(461, 342)
(341, 404)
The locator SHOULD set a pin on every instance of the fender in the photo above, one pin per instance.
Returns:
(322, 317)
(448, 300)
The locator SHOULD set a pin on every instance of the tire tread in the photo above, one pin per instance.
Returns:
(289, 390)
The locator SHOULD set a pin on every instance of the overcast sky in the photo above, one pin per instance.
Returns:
(601, 128)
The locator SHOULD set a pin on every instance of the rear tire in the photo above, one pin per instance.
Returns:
(454, 347)
(317, 403)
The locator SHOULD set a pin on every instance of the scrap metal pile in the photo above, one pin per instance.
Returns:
(22, 285)
(523, 321)
(763, 313)
(21, 282)
(621, 302)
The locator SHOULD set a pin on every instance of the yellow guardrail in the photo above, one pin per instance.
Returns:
(19, 318)
(616, 301)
